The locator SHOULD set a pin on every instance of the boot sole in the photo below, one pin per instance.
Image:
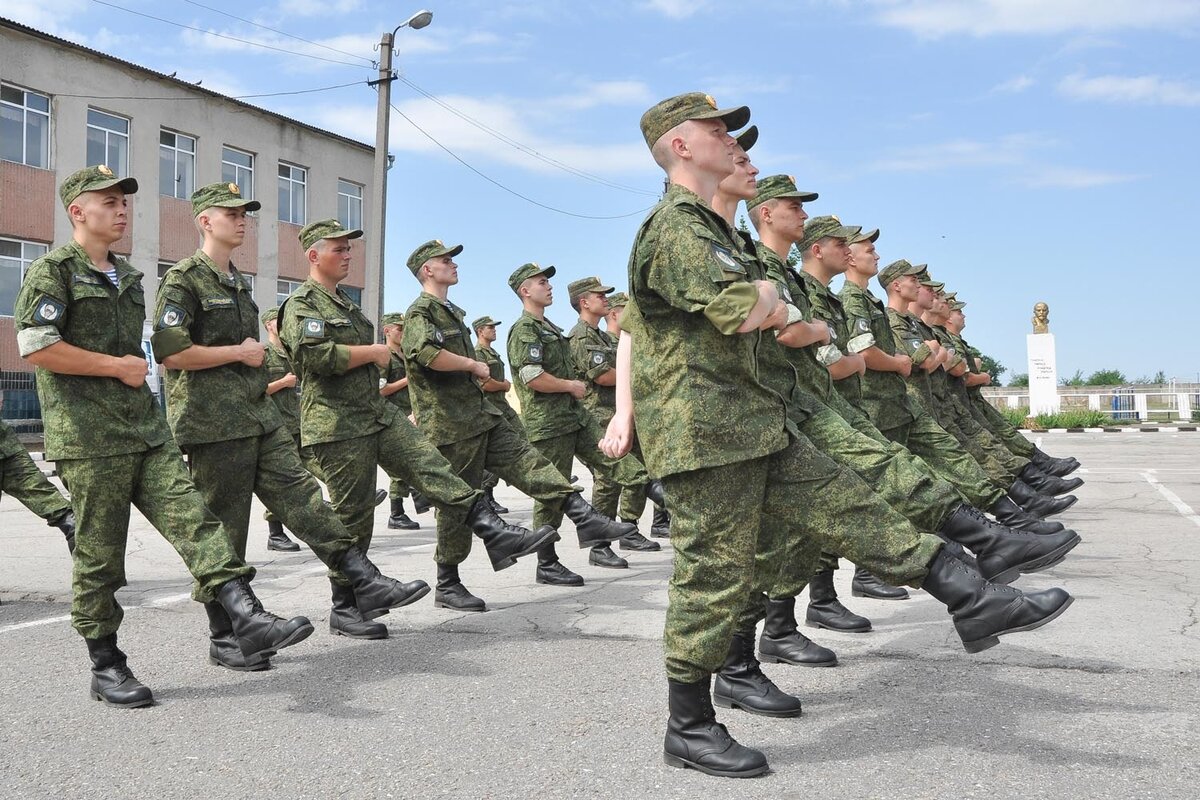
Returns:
(412, 598)
(282, 549)
(412, 527)
(728, 702)
(1044, 562)
(979, 645)
(860, 593)
(298, 636)
(149, 701)
(443, 604)
(546, 582)
(808, 623)
(608, 566)
(1074, 500)
(681, 763)
(366, 637)
(265, 664)
(505, 563)
(766, 659)
(640, 548)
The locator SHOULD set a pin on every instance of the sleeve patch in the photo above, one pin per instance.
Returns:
(172, 316)
(314, 328)
(535, 353)
(726, 259)
(597, 358)
(862, 326)
(437, 334)
(49, 311)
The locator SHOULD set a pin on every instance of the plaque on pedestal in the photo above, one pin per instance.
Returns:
(1043, 374)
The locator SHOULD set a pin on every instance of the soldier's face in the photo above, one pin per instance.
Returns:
(958, 319)
(925, 297)
(333, 258)
(103, 215)
(710, 146)
(394, 334)
(863, 258)
(272, 326)
(835, 254)
(788, 217)
(613, 319)
(539, 290)
(595, 302)
(743, 181)
(487, 333)
(907, 287)
(225, 225)
(442, 270)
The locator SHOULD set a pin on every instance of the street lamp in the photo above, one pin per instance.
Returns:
(382, 124)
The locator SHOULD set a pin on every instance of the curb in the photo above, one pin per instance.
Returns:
(1152, 429)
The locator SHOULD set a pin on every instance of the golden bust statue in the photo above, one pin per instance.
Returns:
(1041, 318)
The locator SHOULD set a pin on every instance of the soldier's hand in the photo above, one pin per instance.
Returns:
(618, 437)
(481, 371)
(779, 317)
(934, 345)
(382, 355)
(131, 370)
(905, 364)
(288, 381)
(251, 352)
(768, 285)
(860, 363)
(576, 389)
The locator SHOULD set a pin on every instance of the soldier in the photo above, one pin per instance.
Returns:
(350, 427)
(454, 413)
(395, 389)
(284, 392)
(728, 452)
(79, 318)
(206, 335)
(496, 388)
(595, 355)
(555, 419)
(21, 478)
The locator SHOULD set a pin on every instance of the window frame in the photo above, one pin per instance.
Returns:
(350, 200)
(24, 262)
(176, 151)
(127, 136)
(280, 296)
(249, 188)
(292, 183)
(26, 110)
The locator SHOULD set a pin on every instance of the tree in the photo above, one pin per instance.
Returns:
(1074, 380)
(1106, 377)
(993, 367)
(1020, 379)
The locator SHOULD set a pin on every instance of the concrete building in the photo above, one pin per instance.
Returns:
(64, 107)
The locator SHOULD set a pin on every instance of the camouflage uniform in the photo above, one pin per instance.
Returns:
(21, 478)
(988, 415)
(396, 370)
(499, 399)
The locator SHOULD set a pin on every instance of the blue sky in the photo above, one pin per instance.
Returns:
(1026, 149)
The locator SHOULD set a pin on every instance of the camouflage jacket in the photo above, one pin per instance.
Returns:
(700, 399)
(10, 445)
(536, 346)
(496, 365)
(884, 394)
(395, 371)
(338, 403)
(910, 335)
(287, 401)
(594, 353)
(199, 304)
(450, 406)
(64, 297)
(827, 307)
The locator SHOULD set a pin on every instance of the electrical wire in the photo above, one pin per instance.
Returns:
(275, 30)
(231, 97)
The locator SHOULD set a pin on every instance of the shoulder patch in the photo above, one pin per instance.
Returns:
(597, 358)
(726, 258)
(314, 328)
(437, 334)
(535, 353)
(172, 316)
(862, 326)
(49, 311)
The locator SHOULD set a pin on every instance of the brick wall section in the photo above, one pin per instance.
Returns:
(30, 202)
(10, 357)
(292, 265)
(177, 234)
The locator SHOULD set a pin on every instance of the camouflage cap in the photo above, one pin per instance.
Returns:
(268, 315)
(585, 285)
(776, 186)
(392, 318)
(864, 236)
(483, 321)
(93, 179)
(894, 270)
(525, 272)
(665, 115)
(747, 138)
(949, 297)
(828, 226)
(221, 195)
(434, 248)
(618, 300)
(314, 232)
(957, 305)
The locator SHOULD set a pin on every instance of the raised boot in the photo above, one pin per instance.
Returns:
(1011, 515)
(1038, 505)
(660, 523)
(346, 620)
(865, 584)
(742, 684)
(112, 681)
(635, 541)
(421, 503)
(452, 594)
(551, 571)
(826, 611)
(984, 611)
(1059, 467)
(592, 527)
(602, 555)
(278, 540)
(782, 643)
(375, 593)
(259, 632)
(1048, 484)
(958, 551)
(695, 739)
(380, 496)
(505, 543)
(490, 495)
(398, 520)
(1003, 554)
(223, 650)
(66, 524)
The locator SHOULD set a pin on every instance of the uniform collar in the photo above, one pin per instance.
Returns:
(232, 278)
(337, 296)
(124, 270)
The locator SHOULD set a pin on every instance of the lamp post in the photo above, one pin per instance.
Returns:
(382, 124)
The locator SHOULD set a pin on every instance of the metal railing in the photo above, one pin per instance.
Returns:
(1170, 402)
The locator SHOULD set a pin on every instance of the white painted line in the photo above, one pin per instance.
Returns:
(1172, 498)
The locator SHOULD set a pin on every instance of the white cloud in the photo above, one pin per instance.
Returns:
(313, 8)
(1014, 85)
(1138, 90)
(959, 153)
(677, 9)
(1069, 178)
(938, 18)
(606, 93)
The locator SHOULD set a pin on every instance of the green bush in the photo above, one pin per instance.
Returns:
(1077, 418)
(1016, 416)
(1019, 379)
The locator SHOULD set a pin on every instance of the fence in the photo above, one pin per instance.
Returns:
(1168, 402)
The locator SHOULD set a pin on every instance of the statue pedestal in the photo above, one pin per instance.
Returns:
(1043, 374)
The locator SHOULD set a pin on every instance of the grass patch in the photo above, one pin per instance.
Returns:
(1078, 418)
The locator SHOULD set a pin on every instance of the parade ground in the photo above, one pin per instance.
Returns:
(559, 692)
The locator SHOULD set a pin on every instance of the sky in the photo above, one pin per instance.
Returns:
(1027, 150)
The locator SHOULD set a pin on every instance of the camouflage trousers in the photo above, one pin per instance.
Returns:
(349, 471)
(22, 479)
(228, 473)
(490, 479)
(609, 497)
(584, 444)
(1001, 466)
(729, 525)
(991, 418)
(507, 453)
(158, 484)
(310, 464)
(945, 456)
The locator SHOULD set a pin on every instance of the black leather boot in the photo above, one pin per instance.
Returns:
(505, 543)
(551, 571)
(112, 681)
(490, 494)
(278, 540)
(375, 593)
(398, 520)
(958, 551)
(603, 556)
(695, 739)
(635, 541)
(826, 611)
(985, 611)
(1059, 467)
(260, 633)
(380, 496)
(1011, 515)
(1003, 554)
(452, 594)
(782, 643)
(1038, 505)
(865, 584)
(592, 527)
(1048, 484)
(656, 493)
(742, 684)
(660, 523)
(223, 650)
(346, 620)
(66, 524)
(421, 503)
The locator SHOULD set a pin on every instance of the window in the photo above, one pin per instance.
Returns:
(350, 204)
(354, 292)
(163, 266)
(284, 289)
(24, 126)
(293, 183)
(108, 141)
(15, 258)
(238, 167)
(249, 279)
(176, 165)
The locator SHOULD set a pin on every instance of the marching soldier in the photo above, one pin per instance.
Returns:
(395, 389)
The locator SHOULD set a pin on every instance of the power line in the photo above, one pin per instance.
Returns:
(231, 97)
(513, 192)
(226, 36)
(274, 30)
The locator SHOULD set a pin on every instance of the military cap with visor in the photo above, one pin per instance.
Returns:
(864, 236)
(747, 138)
(666, 114)
(483, 322)
(314, 232)
(774, 187)
(221, 195)
(434, 248)
(93, 179)
(525, 272)
(826, 227)
(618, 300)
(391, 318)
(576, 289)
(897, 269)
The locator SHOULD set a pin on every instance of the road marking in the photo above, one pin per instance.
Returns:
(1172, 498)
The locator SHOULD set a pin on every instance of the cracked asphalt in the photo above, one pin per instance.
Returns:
(559, 692)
